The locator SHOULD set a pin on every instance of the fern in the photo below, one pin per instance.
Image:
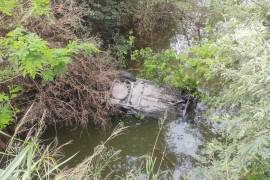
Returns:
(6, 112)
(7, 6)
(32, 56)
(41, 7)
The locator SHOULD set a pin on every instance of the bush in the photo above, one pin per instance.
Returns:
(185, 71)
(242, 150)
(30, 56)
(121, 50)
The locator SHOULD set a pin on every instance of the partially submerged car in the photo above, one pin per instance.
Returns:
(141, 97)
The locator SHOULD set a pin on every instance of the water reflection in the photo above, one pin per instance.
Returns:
(182, 138)
(179, 140)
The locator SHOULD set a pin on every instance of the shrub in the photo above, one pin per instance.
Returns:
(7, 6)
(122, 48)
(242, 150)
(185, 71)
(32, 56)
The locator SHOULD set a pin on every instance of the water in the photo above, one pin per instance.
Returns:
(180, 140)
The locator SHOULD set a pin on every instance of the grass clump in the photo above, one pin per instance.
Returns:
(29, 159)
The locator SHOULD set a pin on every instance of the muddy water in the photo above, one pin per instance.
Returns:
(179, 139)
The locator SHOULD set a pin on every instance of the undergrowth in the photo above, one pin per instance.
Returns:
(190, 71)
(30, 159)
(37, 50)
(236, 60)
(242, 151)
(47, 69)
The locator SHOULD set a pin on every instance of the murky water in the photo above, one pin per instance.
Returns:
(180, 140)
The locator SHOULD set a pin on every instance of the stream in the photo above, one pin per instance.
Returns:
(180, 139)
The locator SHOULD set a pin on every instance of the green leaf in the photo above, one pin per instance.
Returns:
(15, 163)
(5, 116)
(3, 97)
(33, 56)
(41, 7)
(7, 6)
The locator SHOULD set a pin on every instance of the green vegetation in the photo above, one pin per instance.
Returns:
(38, 7)
(47, 65)
(41, 7)
(7, 112)
(190, 71)
(26, 54)
(180, 71)
(6, 6)
(237, 58)
(32, 56)
(32, 161)
(243, 151)
(122, 49)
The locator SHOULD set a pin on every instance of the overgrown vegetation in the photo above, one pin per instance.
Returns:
(113, 20)
(243, 151)
(50, 63)
(184, 71)
(236, 59)
(37, 63)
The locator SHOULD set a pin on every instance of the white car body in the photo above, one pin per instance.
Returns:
(142, 97)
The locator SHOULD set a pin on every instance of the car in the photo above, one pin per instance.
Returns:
(142, 97)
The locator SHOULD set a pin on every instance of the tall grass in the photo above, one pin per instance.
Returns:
(95, 166)
(32, 161)
(29, 159)
(150, 168)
